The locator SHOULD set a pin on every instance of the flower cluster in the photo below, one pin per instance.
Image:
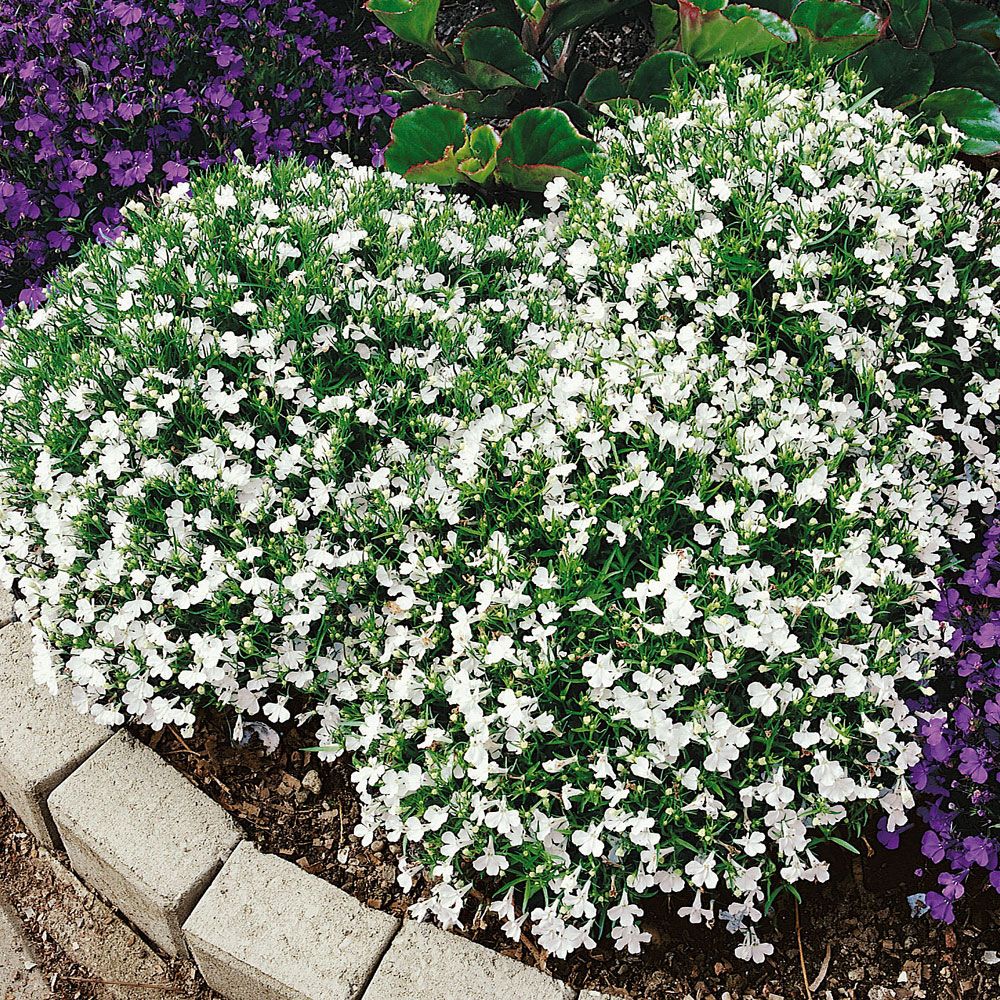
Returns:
(604, 541)
(106, 98)
(959, 773)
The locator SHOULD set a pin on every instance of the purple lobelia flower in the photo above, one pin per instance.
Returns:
(106, 100)
(959, 775)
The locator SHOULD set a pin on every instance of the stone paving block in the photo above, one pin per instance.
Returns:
(427, 963)
(267, 930)
(143, 836)
(42, 738)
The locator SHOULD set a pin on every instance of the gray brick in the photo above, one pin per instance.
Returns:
(143, 836)
(426, 963)
(6, 605)
(42, 738)
(267, 930)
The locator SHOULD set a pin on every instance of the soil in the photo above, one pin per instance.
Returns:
(859, 938)
(83, 949)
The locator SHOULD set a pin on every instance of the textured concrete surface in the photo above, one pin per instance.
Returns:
(143, 836)
(427, 963)
(19, 975)
(6, 605)
(42, 739)
(267, 930)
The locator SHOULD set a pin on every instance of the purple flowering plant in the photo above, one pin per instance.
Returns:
(102, 101)
(958, 777)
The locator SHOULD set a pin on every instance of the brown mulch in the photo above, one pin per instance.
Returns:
(859, 940)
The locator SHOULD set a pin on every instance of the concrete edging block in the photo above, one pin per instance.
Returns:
(143, 836)
(267, 930)
(43, 739)
(427, 963)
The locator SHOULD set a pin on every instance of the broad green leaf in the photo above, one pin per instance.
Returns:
(737, 32)
(664, 18)
(902, 76)
(907, 19)
(494, 57)
(441, 84)
(834, 28)
(970, 112)
(656, 74)
(970, 66)
(582, 13)
(540, 144)
(606, 86)
(477, 159)
(939, 34)
(501, 17)
(579, 78)
(424, 144)
(767, 19)
(411, 20)
(972, 22)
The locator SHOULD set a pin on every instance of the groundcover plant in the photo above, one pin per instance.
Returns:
(605, 542)
(102, 100)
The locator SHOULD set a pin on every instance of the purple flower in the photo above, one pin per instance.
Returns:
(107, 98)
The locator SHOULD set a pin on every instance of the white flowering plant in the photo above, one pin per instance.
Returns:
(604, 539)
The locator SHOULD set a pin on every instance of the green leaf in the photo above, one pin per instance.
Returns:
(967, 65)
(540, 144)
(972, 22)
(606, 86)
(656, 74)
(939, 33)
(411, 20)
(582, 13)
(664, 18)
(477, 159)
(907, 19)
(833, 29)
(495, 57)
(438, 83)
(737, 32)
(579, 78)
(532, 9)
(969, 112)
(846, 845)
(903, 76)
(424, 144)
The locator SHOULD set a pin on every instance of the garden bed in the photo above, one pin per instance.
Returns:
(292, 805)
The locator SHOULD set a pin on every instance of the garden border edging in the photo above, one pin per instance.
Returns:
(179, 868)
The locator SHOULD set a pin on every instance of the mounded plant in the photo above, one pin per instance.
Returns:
(101, 101)
(604, 541)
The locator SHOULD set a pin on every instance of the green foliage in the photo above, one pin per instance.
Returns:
(934, 58)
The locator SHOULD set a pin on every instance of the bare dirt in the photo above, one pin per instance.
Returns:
(84, 950)
(859, 939)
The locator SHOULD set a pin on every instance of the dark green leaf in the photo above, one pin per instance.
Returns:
(902, 76)
(656, 74)
(540, 144)
(834, 28)
(583, 72)
(424, 144)
(970, 112)
(907, 20)
(441, 84)
(972, 22)
(967, 65)
(582, 13)
(664, 19)
(606, 86)
(938, 34)
(494, 57)
(411, 20)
